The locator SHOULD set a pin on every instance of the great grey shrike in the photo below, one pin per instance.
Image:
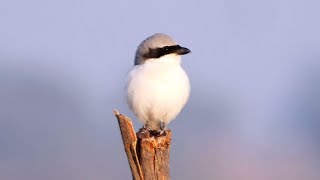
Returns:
(157, 87)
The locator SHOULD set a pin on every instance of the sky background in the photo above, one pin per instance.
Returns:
(254, 109)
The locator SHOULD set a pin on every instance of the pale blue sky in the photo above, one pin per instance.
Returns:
(254, 70)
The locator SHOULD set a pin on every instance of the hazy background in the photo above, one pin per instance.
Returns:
(254, 111)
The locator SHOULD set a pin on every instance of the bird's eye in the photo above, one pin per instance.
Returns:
(166, 48)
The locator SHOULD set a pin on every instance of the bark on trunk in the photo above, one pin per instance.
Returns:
(148, 154)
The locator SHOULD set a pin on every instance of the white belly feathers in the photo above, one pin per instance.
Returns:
(157, 91)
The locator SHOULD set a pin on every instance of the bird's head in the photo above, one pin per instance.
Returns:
(156, 46)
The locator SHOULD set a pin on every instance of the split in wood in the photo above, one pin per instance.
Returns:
(148, 154)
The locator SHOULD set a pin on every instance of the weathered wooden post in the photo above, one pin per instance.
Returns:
(148, 155)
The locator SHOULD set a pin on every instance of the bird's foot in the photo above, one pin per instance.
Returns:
(161, 131)
(158, 132)
(147, 126)
(162, 126)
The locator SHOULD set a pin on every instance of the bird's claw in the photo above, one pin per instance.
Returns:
(159, 132)
(147, 127)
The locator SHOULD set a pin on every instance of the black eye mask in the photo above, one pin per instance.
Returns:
(158, 52)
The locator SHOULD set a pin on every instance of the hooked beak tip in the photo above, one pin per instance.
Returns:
(183, 51)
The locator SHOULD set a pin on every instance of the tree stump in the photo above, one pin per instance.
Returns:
(148, 154)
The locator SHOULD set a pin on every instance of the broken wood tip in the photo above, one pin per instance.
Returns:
(116, 112)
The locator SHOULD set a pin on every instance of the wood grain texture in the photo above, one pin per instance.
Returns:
(130, 143)
(148, 154)
(154, 155)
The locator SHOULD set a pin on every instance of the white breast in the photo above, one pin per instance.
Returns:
(157, 90)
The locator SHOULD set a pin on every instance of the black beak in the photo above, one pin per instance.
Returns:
(182, 51)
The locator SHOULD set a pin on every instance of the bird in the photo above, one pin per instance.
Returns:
(157, 87)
